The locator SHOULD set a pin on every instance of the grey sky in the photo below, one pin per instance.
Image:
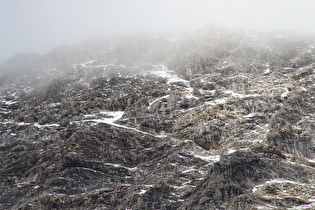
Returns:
(40, 25)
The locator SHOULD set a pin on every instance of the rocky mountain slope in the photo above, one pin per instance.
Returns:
(215, 119)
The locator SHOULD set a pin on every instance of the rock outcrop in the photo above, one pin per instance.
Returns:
(218, 119)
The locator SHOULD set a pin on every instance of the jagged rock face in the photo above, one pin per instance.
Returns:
(216, 120)
(235, 52)
(238, 174)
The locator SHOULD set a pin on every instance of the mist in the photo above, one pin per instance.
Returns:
(38, 26)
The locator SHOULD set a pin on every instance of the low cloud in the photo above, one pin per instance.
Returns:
(38, 26)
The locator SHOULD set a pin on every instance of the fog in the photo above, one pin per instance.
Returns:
(40, 25)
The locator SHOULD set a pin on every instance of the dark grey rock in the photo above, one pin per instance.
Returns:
(235, 131)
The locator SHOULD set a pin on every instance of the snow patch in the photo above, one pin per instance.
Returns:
(115, 115)
(267, 71)
(33, 124)
(240, 95)
(231, 150)
(184, 185)
(268, 206)
(275, 181)
(150, 104)
(89, 115)
(9, 102)
(191, 96)
(142, 192)
(46, 125)
(285, 94)
(207, 158)
(189, 170)
(120, 166)
(169, 75)
(54, 105)
(22, 123)
(87, 63)
(217, 101)
(311, 160)
(305, 206)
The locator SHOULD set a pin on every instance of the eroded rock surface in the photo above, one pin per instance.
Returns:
(218, 119)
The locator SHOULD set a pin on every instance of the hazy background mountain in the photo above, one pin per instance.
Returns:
(36, 26)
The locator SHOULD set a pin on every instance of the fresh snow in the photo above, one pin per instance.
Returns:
(142, 192)
(231, 150)
(89, 115)
(22, 123)
(241, 95)
(32, 124)
(54, 104)
(86, 63)
(275, 181)
(311, 160)
(268, 206)
(267, 71)
(46, 125)
(311, 205)
(285, 94)
(191, 96)
(189, 170)
(115, 115)
(9, 102)
(120, 166)
(184, 185)
(150, 104)
(112, 117)
(216, 102)
(169, 75)
(207, 158)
